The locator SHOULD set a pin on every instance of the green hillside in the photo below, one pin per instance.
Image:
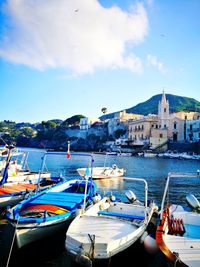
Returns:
(176, 103)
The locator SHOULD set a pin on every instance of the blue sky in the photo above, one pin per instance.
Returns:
(61, 58)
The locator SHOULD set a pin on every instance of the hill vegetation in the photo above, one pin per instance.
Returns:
(176, 103)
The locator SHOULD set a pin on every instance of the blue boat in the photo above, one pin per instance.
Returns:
(51, 210)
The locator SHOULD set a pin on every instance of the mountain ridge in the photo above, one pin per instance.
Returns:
(176, 104)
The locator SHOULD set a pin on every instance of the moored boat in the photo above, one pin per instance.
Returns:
(49, 211)
(102, 172)
(108, 228)
(13, 192)
(178, 234)
(52, 209)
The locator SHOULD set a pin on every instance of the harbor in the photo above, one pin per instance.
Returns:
(51, 251)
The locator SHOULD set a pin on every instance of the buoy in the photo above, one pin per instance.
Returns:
(151, 245)
(113, 198)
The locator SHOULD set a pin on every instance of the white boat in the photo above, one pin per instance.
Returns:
(111, 153)
(185, 155)
(124, 154)
(102, 172)
(178, 234)
(108, 228)
(17, 171)
(149, 154)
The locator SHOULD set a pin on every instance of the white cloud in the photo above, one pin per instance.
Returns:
(74, 34)
(153, 61)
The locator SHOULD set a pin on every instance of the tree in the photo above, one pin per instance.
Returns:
(74, 121)
(119, 132)
(104, 110)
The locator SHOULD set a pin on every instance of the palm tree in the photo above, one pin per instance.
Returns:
(104, 110)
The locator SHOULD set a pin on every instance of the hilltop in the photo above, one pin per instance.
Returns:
(176, 103)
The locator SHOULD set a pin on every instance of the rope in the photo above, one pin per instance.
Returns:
(11, 247)
(92, 240)
(177, 258)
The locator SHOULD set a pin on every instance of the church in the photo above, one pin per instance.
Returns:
(156, 130)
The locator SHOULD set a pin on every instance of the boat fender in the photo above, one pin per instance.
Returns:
(131, 196)
(151, 245)
(193, 201)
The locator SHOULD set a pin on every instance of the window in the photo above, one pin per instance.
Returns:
(165, 109)
(161, 135)
(165, 126)
(190, 127)
(175, 124)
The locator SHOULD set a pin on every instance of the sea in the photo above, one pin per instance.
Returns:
(50, 251)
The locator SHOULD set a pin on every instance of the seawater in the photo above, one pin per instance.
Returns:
(50, 252)
(153, 170)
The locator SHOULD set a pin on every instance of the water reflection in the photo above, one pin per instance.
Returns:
(115, 184)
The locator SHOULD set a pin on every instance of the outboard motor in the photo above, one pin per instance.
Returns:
(131, 196)
(193, 202)
(114, 166)
(96, 198)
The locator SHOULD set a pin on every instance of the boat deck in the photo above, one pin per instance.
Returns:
(105, 229)
(187, 248)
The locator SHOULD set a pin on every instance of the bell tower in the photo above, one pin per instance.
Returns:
(163, 111)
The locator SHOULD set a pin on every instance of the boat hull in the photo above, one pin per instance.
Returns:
(10, 200)
(26, 234)
(102, 172)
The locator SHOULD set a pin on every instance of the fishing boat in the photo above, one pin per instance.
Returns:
(178, 234)
(18, 170)
(108, 227)
(49, 211)
(149, 154)
(124, 154)
(13, 192)
(102, 172)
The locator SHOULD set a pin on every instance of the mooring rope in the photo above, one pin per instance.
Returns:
(12, 244)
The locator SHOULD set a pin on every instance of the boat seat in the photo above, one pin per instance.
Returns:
(62, 196)
(67, 200)
(121, 215)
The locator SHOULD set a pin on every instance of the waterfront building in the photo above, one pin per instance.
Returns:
(120, 122)
(193, 130)
(85, 123)
(158, 129)
(152, 128)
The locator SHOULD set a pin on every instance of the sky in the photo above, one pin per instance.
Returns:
(60, 58)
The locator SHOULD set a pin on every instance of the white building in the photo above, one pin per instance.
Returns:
(193, 130)
(85, 123)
